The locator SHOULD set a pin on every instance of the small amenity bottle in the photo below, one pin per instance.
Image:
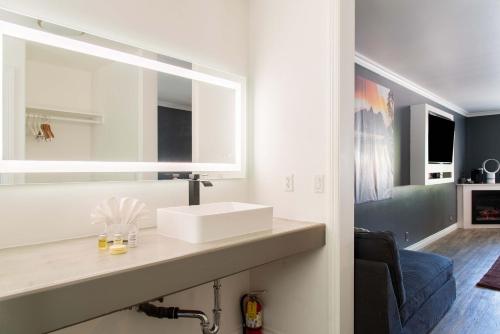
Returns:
(117, 239)
(102, 242)
(117, 247)
(132, 239)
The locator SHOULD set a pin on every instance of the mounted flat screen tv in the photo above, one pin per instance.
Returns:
(440, 140)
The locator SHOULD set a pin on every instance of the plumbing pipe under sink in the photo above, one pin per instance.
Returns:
(177, 313)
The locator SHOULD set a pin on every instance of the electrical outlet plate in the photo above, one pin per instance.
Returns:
(319, 184)
(289, 183)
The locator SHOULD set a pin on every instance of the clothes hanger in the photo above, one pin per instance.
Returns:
(46, 129)
(40, 135)
(49, 130)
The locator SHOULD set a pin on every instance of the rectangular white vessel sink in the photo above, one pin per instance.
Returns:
(214, 221)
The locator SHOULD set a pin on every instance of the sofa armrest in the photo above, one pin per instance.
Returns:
(382, 247)
(375, 305)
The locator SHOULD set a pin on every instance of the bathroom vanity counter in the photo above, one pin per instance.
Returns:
(67, 282)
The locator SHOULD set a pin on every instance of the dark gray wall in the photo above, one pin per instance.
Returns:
(419, 210)
(483, 141)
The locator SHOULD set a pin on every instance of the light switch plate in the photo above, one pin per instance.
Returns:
(289, 183)
(319, 184)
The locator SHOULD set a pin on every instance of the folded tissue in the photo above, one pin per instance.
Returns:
(120, 215)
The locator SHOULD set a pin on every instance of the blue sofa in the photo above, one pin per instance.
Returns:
(399, 291)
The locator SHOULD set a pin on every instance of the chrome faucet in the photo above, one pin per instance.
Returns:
(194, 188)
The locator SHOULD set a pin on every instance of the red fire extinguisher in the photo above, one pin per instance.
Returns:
(252, 313)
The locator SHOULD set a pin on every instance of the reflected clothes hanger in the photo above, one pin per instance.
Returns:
(41, 128)
(39, 131)
(47, 131)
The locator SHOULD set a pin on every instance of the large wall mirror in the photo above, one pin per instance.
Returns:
(77, 107)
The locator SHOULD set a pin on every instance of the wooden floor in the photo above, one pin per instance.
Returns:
(476, 310)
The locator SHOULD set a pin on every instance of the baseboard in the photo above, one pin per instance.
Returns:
(430, 239)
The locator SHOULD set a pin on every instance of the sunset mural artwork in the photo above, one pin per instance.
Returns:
(374, 143)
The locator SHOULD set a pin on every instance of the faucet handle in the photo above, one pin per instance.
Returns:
(195, 176)
(206, 183)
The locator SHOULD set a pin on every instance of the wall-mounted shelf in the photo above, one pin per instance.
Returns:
(421, 171)
(61, 114)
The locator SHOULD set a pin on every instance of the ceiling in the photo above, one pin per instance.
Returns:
(449, 47)
(172, 89)
(61, 57)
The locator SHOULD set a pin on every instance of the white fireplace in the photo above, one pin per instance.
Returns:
(478, 205)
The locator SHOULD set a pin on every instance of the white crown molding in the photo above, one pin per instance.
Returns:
(399, 79)
(483, 113)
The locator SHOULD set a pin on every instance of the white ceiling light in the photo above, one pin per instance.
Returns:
(59, 30)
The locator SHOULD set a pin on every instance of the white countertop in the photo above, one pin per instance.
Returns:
(72, 261)
(73, 280)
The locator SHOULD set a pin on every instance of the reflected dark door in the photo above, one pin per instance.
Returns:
(174, 138)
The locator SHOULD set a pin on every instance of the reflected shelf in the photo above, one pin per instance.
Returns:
(61, 114)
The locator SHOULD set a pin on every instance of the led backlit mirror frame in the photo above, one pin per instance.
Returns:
(37, 166)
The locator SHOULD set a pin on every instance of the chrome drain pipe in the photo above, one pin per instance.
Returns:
(176, 313)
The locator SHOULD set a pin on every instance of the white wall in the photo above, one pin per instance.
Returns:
(209, 33)
(14, 104)
(289, 80)
(115, 93)
(48, 85)
(212, 33)
(51, 85)
(42, 213)
(213, 115)
(290, 103)
(148, 118)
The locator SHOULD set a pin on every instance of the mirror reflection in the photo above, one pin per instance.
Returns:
(62, 105)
